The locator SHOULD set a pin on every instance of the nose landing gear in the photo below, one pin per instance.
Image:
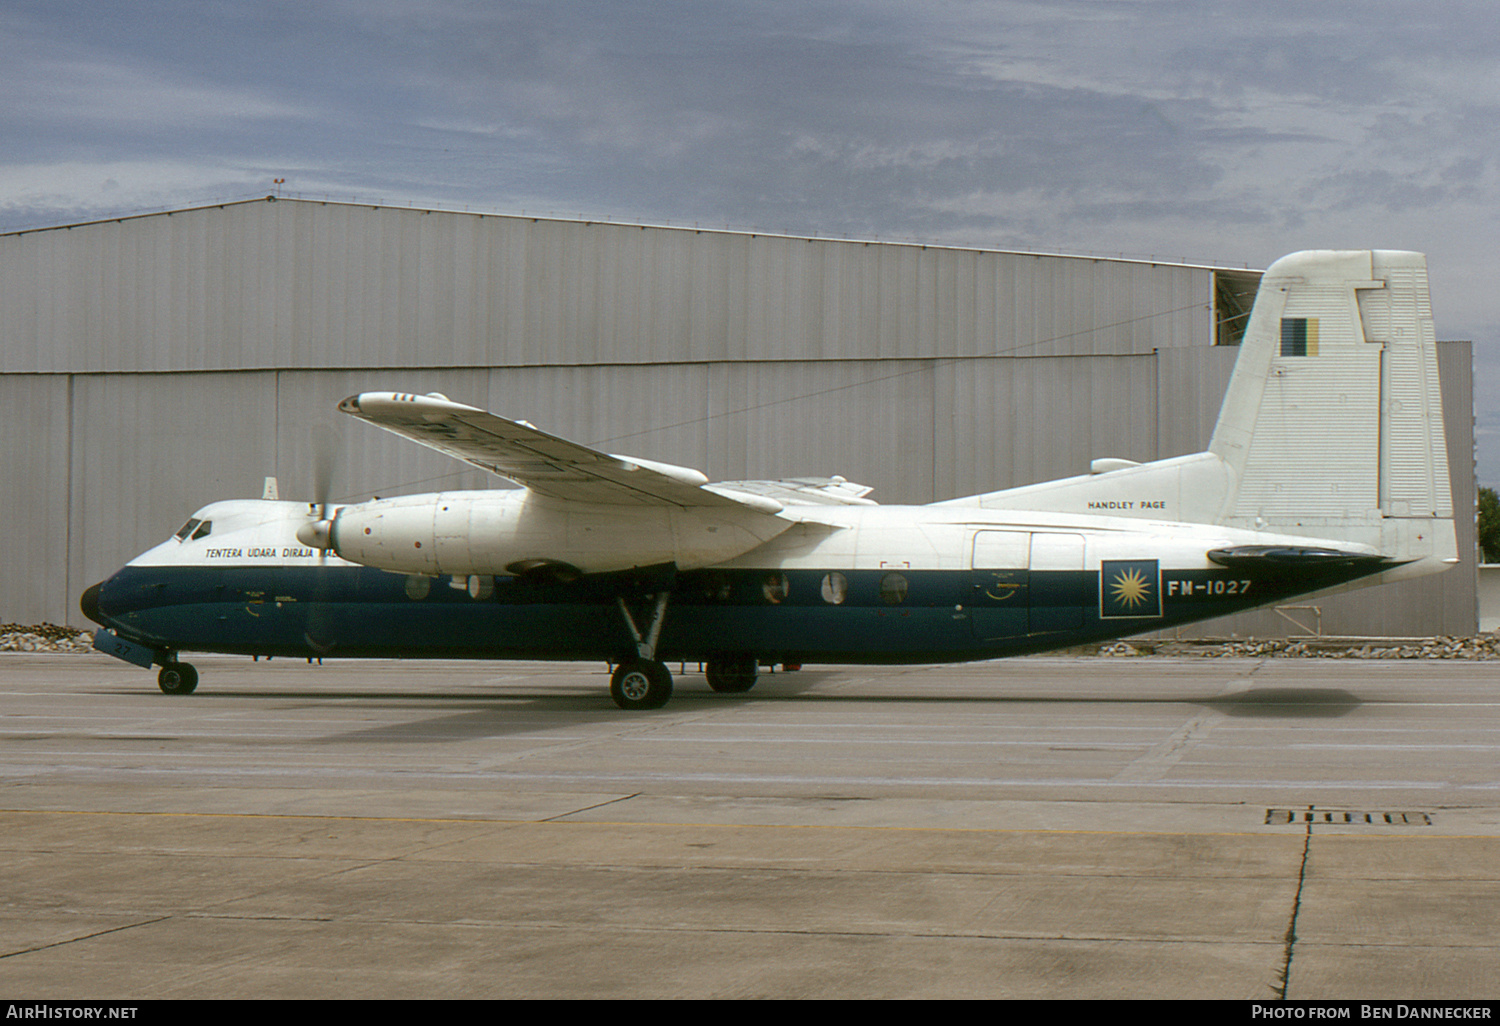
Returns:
(177, 678)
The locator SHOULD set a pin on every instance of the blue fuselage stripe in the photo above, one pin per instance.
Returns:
(777, 615)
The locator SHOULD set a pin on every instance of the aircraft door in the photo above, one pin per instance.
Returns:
(999, 603)
(1057, 591)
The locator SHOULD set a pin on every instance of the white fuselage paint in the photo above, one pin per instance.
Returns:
(468, 533)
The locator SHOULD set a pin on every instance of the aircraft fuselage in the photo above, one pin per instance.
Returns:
(883, 584)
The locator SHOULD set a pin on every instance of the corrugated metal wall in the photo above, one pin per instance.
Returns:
(165, 361)
(308, 285)
(35, 525)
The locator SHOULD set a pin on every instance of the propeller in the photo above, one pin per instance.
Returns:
(317, 533)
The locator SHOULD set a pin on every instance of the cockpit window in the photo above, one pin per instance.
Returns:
(194, 529)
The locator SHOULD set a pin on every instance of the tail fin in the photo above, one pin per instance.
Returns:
(1334, 416)
(1332, 426)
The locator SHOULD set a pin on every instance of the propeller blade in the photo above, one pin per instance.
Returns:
(323, 465)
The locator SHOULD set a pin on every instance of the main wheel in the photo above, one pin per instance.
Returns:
(641, 684)
(177, 678)
(731, 676)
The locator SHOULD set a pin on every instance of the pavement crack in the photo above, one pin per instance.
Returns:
(83, 937)
(1291, 926)
(563, 816)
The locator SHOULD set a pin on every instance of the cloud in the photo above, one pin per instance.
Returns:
(1190, 129)
(38, 194)
(94, 94)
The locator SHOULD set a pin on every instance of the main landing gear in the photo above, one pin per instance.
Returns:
(647, 683)
(733, 675)
(643, 682)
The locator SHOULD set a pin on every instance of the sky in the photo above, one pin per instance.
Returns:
(1212, 132)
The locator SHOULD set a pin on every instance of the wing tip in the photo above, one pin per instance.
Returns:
(369, 404)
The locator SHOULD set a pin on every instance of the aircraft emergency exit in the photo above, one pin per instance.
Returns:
(1327, 468)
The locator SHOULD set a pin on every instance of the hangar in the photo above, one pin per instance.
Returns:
(152, 364)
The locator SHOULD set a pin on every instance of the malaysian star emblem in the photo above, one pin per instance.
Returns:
(1129, 588)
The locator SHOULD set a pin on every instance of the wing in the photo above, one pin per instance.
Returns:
(543, 463)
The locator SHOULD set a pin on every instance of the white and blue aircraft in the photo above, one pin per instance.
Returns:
(1327, 468)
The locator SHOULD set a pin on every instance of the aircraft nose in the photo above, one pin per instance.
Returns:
(89, 602)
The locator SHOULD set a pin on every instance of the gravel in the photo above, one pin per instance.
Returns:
(1480, 647)
(44, 637)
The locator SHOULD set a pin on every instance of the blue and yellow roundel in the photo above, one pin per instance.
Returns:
(1129, 588)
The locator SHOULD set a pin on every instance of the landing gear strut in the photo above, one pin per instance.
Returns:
(643, 682)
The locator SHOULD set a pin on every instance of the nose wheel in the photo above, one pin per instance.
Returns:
(641, 684)
(177, 678)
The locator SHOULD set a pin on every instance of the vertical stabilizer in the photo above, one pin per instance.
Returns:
(1332, 427)
(1333, 422)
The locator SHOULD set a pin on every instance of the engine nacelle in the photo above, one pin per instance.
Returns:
(506, 532)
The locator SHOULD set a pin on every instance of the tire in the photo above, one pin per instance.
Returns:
(641, 684)
(177, 679)
(731, 676)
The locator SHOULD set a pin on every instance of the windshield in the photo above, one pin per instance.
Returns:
(194, 529)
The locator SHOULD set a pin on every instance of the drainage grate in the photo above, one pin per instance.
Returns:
(1342, 817)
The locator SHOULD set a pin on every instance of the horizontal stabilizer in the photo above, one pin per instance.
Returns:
(805, 491)
(1291, 557)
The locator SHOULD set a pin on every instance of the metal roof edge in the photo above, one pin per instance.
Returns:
(611, 222)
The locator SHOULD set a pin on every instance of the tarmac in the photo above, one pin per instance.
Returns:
(1033, 828)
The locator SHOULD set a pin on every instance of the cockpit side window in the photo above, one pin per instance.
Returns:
(186, 529)
(203, 530)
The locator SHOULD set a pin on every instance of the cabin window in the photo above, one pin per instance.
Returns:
(893, 589)
(716, 587)
(775, 587)
(835, 588)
